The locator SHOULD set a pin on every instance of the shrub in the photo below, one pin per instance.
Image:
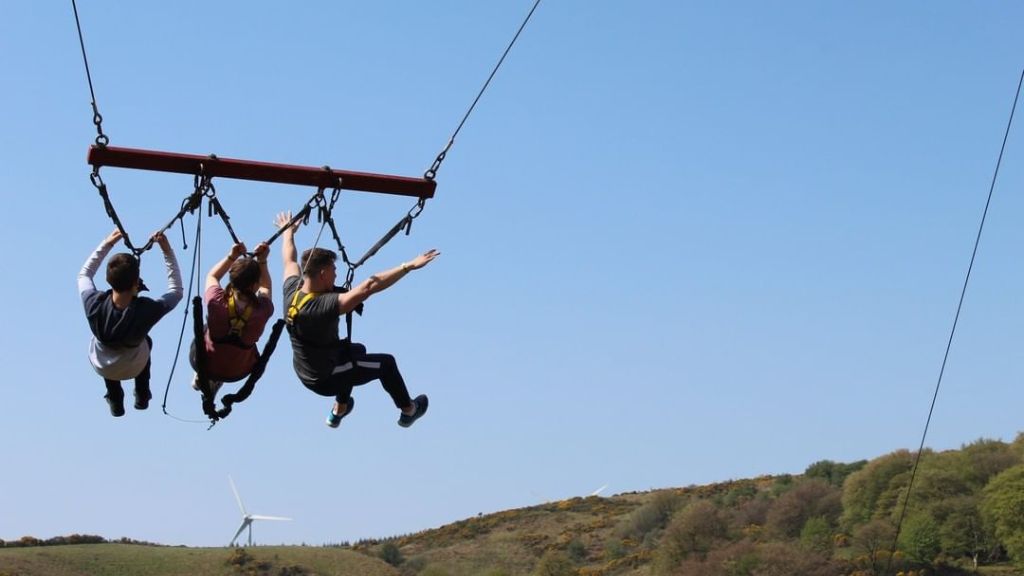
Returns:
(652, 515)
(576, 550)
(239, 558)
(390, 553)
(614, 549)
(554, 562)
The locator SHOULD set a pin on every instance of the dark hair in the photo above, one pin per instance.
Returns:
(316, 259)
(122, 271)
(244, 275)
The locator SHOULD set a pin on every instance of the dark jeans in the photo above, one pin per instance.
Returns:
(114, 389)
(355, 367)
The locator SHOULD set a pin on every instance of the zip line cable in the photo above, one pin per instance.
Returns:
(956, 319)
(431, 173)
(97, 119)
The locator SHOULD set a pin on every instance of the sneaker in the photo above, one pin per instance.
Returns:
(142, 399)
(421, 408)
(214, 385)
(333, 420)
(116, 405)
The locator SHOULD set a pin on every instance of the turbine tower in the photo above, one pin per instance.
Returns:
(247, 519)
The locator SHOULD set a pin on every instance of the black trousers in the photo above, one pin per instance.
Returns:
(114, 389)
(356, 367)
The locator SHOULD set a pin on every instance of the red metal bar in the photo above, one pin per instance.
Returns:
(260, 171)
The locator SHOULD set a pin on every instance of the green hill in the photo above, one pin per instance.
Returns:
(133, 559)
(965, 515)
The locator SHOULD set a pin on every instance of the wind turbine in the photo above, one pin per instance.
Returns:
(247, 519)
(598, 491)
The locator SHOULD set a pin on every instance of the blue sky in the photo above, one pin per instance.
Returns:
(682, 243)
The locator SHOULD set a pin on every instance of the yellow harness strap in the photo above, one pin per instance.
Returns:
(297, 304)
(236, 321)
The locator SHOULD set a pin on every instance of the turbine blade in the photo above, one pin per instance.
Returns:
(245, 523)
(598, 491)
(237, 497)
(258, 517)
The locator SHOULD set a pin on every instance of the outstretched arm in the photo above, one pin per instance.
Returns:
(261, 258)
(174, 292)
(289, 256)
(214, 276)
(85, 282)
(382, 281)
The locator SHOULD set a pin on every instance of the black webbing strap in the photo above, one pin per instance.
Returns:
(101, 187)
(316, 200)
(405, 224)
(189, 205)
(199, 335)
(215, 207)
(257, 371)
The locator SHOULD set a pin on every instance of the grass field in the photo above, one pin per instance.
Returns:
(130, 559)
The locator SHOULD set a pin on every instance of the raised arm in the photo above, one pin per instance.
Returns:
(262, 250)
(289, 256)
(92, 264)
(174, 292)
(216, 274)
(380, 281)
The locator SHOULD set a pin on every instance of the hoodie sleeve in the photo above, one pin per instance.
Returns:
(174, 292)
(92, 264)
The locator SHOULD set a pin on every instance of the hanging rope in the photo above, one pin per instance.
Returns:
(431, 172)
(97, 119)
(184, 320)
(956, 319)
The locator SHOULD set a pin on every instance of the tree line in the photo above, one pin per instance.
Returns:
(965, 510)
(30, 541)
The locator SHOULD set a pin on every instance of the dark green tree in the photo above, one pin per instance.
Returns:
(1003, 506)
(834, 473)
(984, 459)
(873, 540)
(919, 539)
(390, 553)
(872, 491)
(816, 535)
(964, 534)
(692, 533)
(806, 499)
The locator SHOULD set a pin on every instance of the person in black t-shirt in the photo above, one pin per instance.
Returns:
(326, 364)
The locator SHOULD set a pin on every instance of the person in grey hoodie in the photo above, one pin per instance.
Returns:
(120, 319)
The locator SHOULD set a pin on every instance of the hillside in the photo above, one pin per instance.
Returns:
(130, 559)
(965, 515)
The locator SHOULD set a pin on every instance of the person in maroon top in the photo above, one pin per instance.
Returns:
(235, 315)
